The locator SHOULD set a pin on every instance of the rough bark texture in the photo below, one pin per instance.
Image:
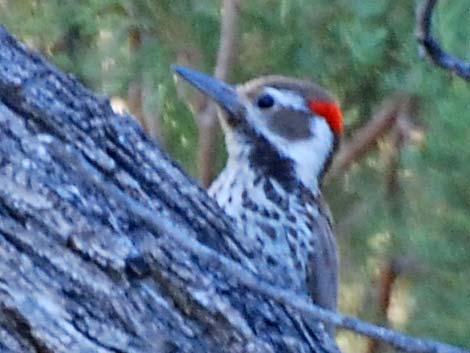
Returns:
(78, 272)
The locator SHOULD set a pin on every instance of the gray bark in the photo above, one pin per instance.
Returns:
(81, 268)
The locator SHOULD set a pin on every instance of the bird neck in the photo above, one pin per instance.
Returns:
(253, 174)
(258, 155)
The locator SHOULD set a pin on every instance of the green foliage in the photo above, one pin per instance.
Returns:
(361, 50)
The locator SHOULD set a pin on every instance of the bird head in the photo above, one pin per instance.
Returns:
(286, 128)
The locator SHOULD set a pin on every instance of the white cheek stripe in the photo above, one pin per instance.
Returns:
(286, 98)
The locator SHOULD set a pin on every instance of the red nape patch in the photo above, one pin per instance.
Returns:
(331, 112)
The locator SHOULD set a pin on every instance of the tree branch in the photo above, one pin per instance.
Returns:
(366, 137)
(433, 48)
(207, 117)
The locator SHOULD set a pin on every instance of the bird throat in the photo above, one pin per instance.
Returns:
(265, 160)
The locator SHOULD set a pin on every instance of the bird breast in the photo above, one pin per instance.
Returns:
(274, 225)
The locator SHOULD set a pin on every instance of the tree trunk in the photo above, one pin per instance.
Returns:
(81, 270)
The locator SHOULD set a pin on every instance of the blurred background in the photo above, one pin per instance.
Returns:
(399, 190)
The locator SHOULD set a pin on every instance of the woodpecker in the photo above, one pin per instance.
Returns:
(281, 134)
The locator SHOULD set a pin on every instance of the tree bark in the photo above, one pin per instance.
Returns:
(79, 271)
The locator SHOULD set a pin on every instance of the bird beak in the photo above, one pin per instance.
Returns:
(223, 94)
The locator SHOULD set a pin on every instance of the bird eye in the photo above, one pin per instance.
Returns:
(265, 101)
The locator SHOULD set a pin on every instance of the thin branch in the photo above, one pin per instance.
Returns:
(389, 272)
(387, 279)
(207, 118)
(139, 90)
(303, 305)
(228, 36)
(432, 47)
(134, 92)
(366, 137)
